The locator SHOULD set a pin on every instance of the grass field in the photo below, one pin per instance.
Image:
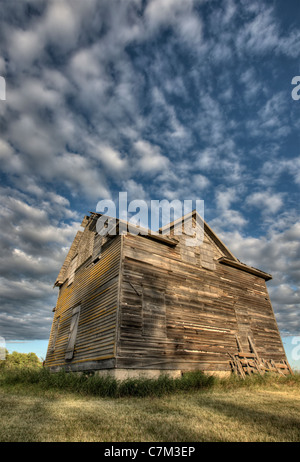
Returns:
(228, 410)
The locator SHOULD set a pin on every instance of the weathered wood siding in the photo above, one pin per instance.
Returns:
(181, 309)
(95, 289)
(136, 302)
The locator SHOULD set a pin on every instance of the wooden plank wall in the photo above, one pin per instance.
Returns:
(95, 287)
(71, 254)
(171, 307)
(197, 307)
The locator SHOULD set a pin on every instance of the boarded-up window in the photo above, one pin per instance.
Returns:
(54, 335)
(72, 269)
(244, 324)
(98, 242)
(154, 313)
(73, 333)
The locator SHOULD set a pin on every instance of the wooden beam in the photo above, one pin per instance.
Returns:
(248, 269)
(253, 348)
(140, 231)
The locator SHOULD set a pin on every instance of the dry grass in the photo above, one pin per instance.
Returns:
(259, 413)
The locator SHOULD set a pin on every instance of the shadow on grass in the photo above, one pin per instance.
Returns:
(201, 417)
(267, 423)
(148, 411)
(249, 424)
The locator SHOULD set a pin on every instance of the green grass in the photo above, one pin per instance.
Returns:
(95, 385)
(38, 406)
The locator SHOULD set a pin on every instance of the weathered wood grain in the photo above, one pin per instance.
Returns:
(156, 303)
(206, 304)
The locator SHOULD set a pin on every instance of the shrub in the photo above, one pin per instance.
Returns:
(21, 360)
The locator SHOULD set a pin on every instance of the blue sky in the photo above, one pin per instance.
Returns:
(164, 99)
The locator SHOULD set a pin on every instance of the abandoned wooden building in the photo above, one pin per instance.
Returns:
(150, 304)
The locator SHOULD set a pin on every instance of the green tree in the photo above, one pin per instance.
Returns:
(16, 359)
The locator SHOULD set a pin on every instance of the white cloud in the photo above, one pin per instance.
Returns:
(206, 158)
(80, 175)
(110, 158)
(200, 182)
(25, 46)
(34, 240)
(86, 65)
(272, 170)
(266, 201)
(262, 33)
(285, 295)
(134, 190)
(177, 131)
(254, 86)
(32, 96)
(9, 160)
(278, 254)
(2, 66)
(99, 100)
(225, 197)
(175, 13)
(149, 159)
(61, 24)
(233, 219)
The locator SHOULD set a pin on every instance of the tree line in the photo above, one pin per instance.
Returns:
(16, 359)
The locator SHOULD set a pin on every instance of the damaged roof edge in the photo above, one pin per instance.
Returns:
(248, 269)
(139, 230)
(229, 260)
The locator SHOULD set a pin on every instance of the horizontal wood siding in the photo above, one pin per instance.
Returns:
(95, 288)
(149, 304)
(204, 305)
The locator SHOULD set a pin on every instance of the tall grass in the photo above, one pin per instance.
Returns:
(103, 386)
(95, 385)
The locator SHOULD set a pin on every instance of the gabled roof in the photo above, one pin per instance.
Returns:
(228, 259)
(248, 269)
(207, 230)
(139, 230)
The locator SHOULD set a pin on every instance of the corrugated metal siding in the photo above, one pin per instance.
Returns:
(95, 288)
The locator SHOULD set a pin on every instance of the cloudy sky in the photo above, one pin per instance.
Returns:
(164, 99)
